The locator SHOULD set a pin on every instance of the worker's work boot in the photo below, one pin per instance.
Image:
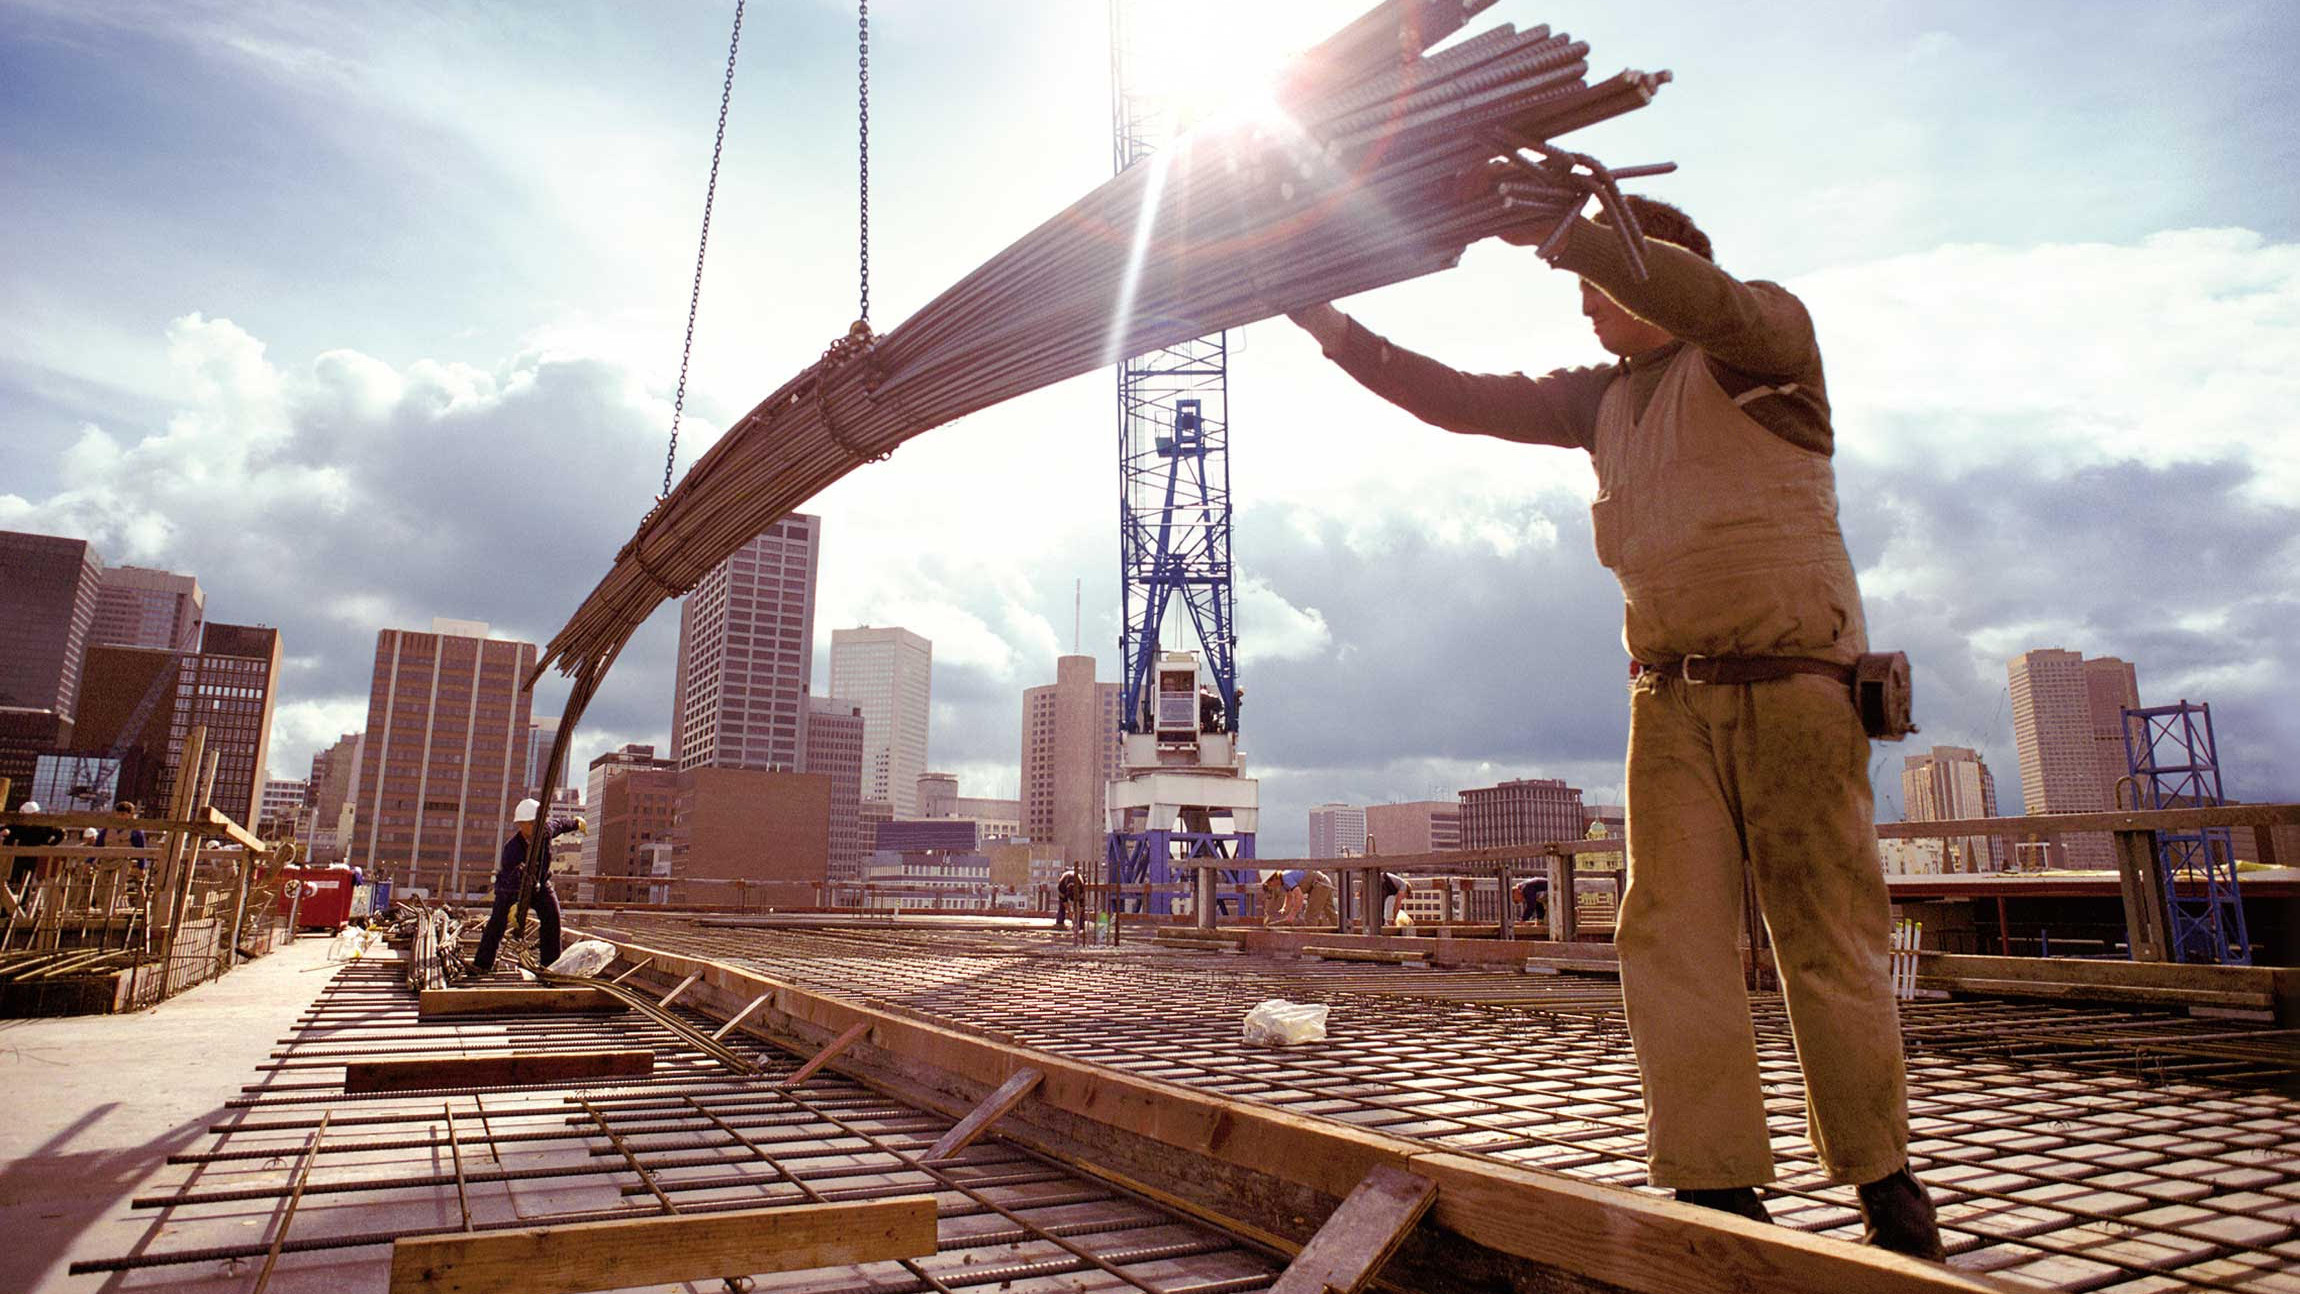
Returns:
(1740, 1201)
(1898, 1215)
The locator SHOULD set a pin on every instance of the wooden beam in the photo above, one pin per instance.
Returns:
(664, 1249)
(513, 1069)
(979, 1119)
(684, 985)
(742, 1015)
(502, 1001)
(831, 1049)
(1361, 1235)
(218, 818)
(1643, 1242)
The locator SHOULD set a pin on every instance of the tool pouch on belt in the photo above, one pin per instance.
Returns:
(1881, 693)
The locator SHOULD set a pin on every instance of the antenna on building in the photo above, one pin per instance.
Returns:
(1077, 619)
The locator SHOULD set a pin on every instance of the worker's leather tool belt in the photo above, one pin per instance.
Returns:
(1879, 681)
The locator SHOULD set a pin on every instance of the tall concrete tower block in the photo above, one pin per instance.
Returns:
(1337, 830)
(888, 673)
(2068, 726)
(1070, 755)
(746, 654)
(140, 607)
(1948, 783)
(444, 757)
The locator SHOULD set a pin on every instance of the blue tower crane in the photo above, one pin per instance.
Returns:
(1174, 547)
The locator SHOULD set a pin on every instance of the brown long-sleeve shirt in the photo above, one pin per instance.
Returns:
(1754, 336)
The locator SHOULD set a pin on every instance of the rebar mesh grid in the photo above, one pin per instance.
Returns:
(329, 1179)
(2075, 1147)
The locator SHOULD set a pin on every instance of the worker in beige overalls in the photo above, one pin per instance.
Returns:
(1717, 510)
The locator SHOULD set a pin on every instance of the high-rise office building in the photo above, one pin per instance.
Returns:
(283, 809)
(632, 797)
(334, 783)
(1525, 811)
(141, 607)
(1070, 754)
(541, 735)
(2068, 724)
(889, 674)
(768, 830)
(49, 590)
(938, 797)
(444, 757)
(1337, 831)
(1414, 827)
(229, 687)
(835, 750)
(746, 654)
(1948, 783)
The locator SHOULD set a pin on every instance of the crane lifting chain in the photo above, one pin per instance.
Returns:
(862, 131)
(695, 297)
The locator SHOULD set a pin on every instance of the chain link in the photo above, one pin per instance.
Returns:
(862, 96)
(695, 297)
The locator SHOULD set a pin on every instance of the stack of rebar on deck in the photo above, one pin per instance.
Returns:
(1357, 182)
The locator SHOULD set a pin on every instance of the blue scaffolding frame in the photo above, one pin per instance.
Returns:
(2175, 765)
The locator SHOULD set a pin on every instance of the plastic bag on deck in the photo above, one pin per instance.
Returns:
(586, 959)
(1279, 1023)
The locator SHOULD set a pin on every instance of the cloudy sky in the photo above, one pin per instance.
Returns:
(366, 314)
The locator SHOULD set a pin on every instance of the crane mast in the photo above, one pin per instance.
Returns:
(1182, 794)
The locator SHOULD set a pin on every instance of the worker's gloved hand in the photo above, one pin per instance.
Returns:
(583, 825)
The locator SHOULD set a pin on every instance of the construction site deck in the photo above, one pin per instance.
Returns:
(2071, 1145)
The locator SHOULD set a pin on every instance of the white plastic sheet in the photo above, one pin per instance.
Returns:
(586, 959)
(1279, 1023)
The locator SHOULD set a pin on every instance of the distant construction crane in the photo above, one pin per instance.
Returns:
(1184, 794)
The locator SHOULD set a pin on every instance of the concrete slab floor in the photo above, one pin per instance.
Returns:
(96, 1103)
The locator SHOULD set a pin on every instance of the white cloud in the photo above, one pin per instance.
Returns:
(1270, 628)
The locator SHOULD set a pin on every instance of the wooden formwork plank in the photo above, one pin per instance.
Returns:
(1646, 1243)
(742, 1015)
(979, 1119)
(829, 1052)
(664, 1249)
(513, 1069)
(499, 1001)
(1361, 1235)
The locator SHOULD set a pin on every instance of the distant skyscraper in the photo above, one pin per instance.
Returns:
(140, 607)
(49, 591)
(541, 734)
(746, 654)
(1526, 811)
(1070, 754)
(444, 758)
(229, 687)
(1337, 831)
(889, 673)
(1948, 783)
(835, 750)
(2068, 724)
(1415, 827)
(334, 782)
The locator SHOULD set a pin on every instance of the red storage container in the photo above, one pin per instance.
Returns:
(326, 891)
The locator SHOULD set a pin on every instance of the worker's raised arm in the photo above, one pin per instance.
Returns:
(1558, 409)
(1759, 328)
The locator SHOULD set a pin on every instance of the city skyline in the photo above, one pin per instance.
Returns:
(2034, 395)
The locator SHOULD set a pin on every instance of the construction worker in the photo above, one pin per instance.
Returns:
(1533, 899)
(1395, 888)
(1716, 508)
(1301, 898)
(510, 869)
(30, 835)
(1070, 898)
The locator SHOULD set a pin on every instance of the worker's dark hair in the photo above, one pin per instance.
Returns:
(1669, 224)
(125, 806)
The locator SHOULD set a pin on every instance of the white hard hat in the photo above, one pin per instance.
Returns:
(527, 810)
(30, 806)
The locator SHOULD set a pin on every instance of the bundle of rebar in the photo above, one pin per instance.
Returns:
(1381, 163)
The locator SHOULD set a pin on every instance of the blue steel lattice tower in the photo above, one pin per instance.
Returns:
(1173, 520)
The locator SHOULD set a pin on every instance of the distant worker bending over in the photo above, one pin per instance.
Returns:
(1717, 510)
(1395, 888)
(1070, 898)
(510, 870)
(1299, 897)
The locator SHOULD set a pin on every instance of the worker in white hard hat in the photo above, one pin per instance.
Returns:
(510, 870)
(29, 836)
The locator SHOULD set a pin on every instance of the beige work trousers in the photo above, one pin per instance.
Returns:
(1774, 774)
(1319, 908)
